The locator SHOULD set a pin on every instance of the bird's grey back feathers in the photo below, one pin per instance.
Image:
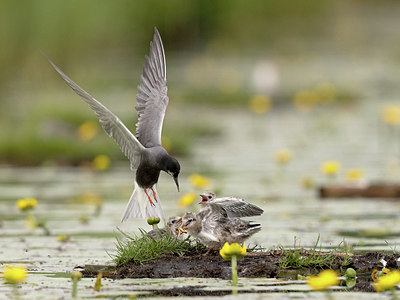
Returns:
(152, 99)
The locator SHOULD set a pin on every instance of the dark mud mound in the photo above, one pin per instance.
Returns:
(255, 264)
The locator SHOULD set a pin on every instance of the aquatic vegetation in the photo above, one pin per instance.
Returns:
(354, 174)
(97, 284)
(260, 104)
(387, 281)
(101, 162)
(142, 247)
(199, 181)
(307, 182)
(63, 238)
(330, 168)
(87, 131)
(14, 274)
(26, 204)
(75, 276)
(232, 252)
(153, 221)
(350, 273)
(323, 280)
(283, 156)
(187, 199)
(391, 115)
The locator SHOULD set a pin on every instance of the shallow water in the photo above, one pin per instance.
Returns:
(239, 162)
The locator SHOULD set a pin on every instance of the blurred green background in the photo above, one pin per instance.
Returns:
(222, 55)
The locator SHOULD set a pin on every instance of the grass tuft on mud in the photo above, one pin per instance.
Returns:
(295, 258)
(142, 247)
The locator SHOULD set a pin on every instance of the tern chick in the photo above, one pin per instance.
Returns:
(173, 227)
(146, 155)
(214, 231)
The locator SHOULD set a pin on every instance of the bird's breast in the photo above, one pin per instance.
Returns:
(147, 176)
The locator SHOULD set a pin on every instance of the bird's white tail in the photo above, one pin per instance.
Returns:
(139, 205)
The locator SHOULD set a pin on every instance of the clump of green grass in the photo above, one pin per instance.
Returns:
(142, 247)
(300, 258)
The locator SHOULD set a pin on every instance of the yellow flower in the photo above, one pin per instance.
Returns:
(26, 203)
(323, 280)
(330, 167)
(227, 251)
(260, 104)
(283, 156)
(354, 174)
(101, 162)
(87, 131)
(388, 281)
(187, 199)
(199, 181)
(307, 182)
(63, 238)
(391, 115)
(14, 274)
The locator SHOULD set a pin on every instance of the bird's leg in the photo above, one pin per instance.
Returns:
(151, 202)
(154, 194)
(208, 251)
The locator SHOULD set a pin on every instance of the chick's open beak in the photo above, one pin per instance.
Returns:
(181, 230)
(176, 182)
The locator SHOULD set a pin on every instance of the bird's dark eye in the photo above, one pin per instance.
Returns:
(173, 221)
(209, 197)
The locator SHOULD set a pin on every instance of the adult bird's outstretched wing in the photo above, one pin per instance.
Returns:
(234, 207)
(152, 99)
(125, 139)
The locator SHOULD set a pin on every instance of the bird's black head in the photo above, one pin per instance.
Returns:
(172, 167)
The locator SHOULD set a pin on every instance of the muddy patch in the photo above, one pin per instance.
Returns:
(254, 265)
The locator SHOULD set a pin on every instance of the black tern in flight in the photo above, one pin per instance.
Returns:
(146, 155)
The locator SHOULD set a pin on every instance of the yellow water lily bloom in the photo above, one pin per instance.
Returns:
(354, 174)
(282, 156)
(388, 281)
(101, 162)
(87, 131)
(260, 104)
(323, 280)
(234, 249)
(26, 203)
(187, 199)
(330, 168)
(391, 115)
(63, 238)
(14, 274)
(199, 181)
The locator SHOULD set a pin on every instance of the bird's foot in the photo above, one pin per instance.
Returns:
(154, 194)
(148, 197)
